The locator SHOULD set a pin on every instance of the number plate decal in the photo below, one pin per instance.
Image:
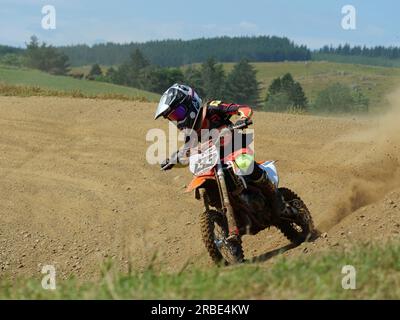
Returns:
(200, 163)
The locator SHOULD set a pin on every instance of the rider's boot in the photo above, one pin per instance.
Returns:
(260, 179)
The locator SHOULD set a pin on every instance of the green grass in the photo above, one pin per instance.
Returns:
(86, 69)
(376, 82)
(12, 90)
(314, 76)
(34, 78)
(316, 276)
(372, 61)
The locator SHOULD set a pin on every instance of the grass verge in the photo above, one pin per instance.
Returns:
(30, 91)
(306, 277)
(22, 77)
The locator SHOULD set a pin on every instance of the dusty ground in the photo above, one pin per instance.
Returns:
(76, 188)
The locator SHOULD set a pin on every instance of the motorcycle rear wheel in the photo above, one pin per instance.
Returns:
(302, 228)
(214, 231)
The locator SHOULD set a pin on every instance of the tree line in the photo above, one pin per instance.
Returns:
(173, 53)
(209, 79)
(240, 85)
(391, 52)
(46, 58)
(38, 56)
(9, 50)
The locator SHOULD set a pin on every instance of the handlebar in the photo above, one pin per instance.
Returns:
(247, 123)
(224, 131)
(232, 128)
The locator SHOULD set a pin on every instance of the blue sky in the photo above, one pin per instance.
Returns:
(309, 22)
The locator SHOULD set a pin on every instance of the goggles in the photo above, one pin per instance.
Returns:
(178, 114)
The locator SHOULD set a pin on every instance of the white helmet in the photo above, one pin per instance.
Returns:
(181, 104)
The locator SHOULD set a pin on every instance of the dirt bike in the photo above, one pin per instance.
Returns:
(226, 193)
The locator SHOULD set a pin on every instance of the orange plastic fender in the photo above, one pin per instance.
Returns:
(198, 181)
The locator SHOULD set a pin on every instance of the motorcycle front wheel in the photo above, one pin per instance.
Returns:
(214, 231)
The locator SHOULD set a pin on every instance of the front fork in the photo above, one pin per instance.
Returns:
(226, 204)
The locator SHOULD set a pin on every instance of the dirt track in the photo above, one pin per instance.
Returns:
(76, 188)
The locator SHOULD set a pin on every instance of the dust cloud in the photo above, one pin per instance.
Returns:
(374, 170)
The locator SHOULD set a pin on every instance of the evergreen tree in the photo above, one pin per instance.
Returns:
(110, 74)
(284, 93)
(298, 96)
(129, 73)
(275, 86)
(45, 58)
(57, 62)
(138, 61)
(213, 80)
(159, 79)
(33, 55)
(95, 70)
(358, 51)
(193, 78)
(287, 82)
(173, 53)
(242, 85)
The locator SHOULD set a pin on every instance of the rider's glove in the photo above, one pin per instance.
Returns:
(241, 123)
(166, 165)
(169, 163)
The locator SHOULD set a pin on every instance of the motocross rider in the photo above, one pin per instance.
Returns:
(182, 105)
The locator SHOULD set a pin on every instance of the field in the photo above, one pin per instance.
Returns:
(372, 61)
(77, 192)
(376, 82)
(27, 77)
(314, 76)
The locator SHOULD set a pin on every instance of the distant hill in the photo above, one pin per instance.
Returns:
(29, 77)
(174, 53)
(180, 52)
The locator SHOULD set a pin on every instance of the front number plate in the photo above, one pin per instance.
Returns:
(201, 163)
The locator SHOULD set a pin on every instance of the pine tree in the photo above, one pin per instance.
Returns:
(46, 58)
(110, 73)
(138, 61)
(129, 72)
(285, 93)
(275, 86)
(242, 86)
(213, 79)
(298, 96)
(287, 82)
(193, 78)
(95, 70)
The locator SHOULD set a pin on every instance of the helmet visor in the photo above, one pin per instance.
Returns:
(178, 114)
